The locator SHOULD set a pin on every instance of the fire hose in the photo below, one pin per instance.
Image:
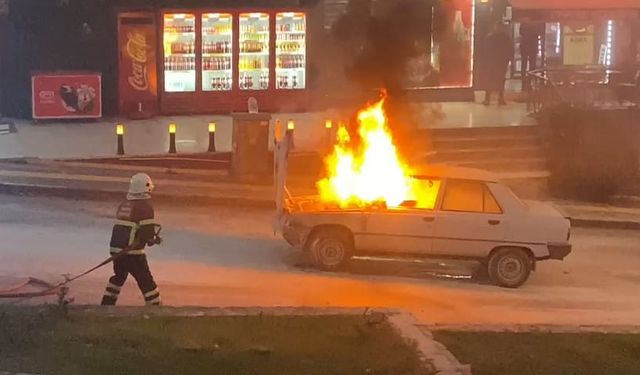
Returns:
(52, 289)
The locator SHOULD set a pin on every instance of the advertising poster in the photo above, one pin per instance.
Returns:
(66, 95)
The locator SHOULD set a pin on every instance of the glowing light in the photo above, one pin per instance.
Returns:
(212, 127)
(609, 42)
(119, 129)
(328, 124)
(558, 32)
(291, 125)
(172, 128)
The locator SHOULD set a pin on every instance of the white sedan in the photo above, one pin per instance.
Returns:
(472, 216)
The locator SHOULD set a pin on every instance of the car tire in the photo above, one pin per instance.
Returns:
(509, 267)
(330, 250)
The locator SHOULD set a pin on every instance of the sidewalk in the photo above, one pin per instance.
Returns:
(87, 139)
(207, 187)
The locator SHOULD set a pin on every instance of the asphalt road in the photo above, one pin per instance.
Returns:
(225, 257)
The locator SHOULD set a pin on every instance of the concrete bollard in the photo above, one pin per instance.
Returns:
(120, 138)
(329, 136)
(172, 138)
(212, 137)
(291, 127)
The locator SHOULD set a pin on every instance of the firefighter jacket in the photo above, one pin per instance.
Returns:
(134, 228)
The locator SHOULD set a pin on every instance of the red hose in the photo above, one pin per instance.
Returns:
(13, 291)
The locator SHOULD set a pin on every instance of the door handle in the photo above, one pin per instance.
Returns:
(494, 222)
(428, 219)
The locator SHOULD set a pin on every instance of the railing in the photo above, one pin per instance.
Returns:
(585, 88)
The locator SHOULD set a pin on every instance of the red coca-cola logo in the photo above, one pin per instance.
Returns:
(46, 95)
(137, 51)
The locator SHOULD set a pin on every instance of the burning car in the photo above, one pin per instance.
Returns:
(370, 203)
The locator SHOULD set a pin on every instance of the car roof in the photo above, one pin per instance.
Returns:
(441, 171)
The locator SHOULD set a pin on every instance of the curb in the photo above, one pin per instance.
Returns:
(444, 362)
(604, 224)
(20, 189)
(537, 328)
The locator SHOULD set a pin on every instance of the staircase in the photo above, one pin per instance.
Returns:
(506, 150)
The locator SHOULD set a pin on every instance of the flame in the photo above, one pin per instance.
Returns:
(374, 171)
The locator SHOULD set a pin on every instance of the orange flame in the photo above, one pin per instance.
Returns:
(374, 172)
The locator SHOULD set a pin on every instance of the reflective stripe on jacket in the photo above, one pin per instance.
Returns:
(134, 227)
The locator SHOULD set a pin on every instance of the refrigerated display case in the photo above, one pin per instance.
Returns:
(216, 60)
(253, 64)
(291, 51)
(178, 39)
(217, 52)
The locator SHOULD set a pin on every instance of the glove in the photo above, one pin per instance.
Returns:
(158, 240)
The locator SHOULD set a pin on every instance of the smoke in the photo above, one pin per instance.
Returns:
(378, 39)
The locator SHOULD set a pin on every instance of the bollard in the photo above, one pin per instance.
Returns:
(172, 138)
(291, 127)
(278, 134)
(212, 137)
(120, 138)
(329, 134)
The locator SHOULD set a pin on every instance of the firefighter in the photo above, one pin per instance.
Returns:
(134, 229)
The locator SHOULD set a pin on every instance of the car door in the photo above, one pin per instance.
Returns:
(470, 221)
(398, 230)
(407, 229)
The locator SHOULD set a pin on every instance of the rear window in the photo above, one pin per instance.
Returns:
(469, 196)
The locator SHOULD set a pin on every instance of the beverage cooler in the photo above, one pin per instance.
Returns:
(214, 61)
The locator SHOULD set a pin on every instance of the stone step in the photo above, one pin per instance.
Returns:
(486, 154)
(452, 144)
(485, 132)
(507, 164)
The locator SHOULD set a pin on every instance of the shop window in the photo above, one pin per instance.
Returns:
(254, 51)
(291, 57)
(217, 52)
(179, 52)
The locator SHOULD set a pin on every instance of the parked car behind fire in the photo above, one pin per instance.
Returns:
(471, 216)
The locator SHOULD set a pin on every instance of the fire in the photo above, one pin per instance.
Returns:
(372, 172)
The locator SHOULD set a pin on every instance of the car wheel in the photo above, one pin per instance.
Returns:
(330, 250)
(509, 267)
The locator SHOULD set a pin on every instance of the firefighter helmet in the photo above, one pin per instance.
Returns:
(140, 185)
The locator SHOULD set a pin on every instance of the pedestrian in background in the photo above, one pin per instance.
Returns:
(530, 36)
(500, 51)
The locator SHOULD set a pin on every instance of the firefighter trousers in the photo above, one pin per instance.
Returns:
(137, 266)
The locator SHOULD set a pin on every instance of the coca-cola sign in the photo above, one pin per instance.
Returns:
(138, 85)
(137, 51)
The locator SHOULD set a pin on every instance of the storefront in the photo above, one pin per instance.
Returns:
(422, 49)
(199, 56)
(177, 61)
(576, 33)
(446, 61)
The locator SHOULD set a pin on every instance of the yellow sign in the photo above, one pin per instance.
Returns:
(579, 46)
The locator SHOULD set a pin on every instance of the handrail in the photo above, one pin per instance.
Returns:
(576, 87)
